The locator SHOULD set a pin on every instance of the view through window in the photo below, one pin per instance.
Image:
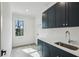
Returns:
(19, 28)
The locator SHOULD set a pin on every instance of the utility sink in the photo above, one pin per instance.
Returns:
(67, 46)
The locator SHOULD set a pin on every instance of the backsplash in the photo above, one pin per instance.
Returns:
(58, 34)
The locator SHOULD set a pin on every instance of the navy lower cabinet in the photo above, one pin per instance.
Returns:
(47, 50)
(40, 46)
(62, 53)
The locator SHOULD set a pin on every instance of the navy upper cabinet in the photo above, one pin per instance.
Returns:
(48, 18)
(51, 17)
(45, 20)
(73, 14)
(60, 14)
(65, 14)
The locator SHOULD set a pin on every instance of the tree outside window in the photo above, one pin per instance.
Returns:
(19, 28)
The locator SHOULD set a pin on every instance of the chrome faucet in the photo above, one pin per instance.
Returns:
(67, 32)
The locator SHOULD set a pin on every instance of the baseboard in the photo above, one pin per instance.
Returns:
(24, 45)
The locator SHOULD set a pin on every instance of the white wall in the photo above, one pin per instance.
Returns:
(55, 34)
(29, 30)
(38, 21)
(6, 29)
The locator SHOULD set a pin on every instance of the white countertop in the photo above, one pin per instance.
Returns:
(74, 52)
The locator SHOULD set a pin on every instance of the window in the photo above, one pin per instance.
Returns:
(19, 28)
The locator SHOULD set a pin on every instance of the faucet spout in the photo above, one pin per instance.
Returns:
(67, 32)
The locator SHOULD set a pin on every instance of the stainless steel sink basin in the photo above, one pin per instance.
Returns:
(67, 46)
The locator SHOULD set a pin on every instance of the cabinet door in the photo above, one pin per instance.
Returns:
(46, 50)
(53, 51)
(73, 14)
(60, 14)
(44, 20)
(66, 15)
(63, 53)
(56, 52)
(40, 47)
(51, 17)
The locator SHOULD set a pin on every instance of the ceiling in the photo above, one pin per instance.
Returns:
(29, 8)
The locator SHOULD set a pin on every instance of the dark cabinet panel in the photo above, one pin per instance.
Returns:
(47, 50)
(65, 54)
(73, 14)
(60, 14)
(44, 20)
(53, 51)
(65, 14)
(56, 52)
(40, 46)
(43, 49)
(51, 17)
(62, 53)
(48, 18)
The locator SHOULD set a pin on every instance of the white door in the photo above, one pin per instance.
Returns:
(6, 29)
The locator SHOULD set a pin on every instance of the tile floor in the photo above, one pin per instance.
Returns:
(25, 51)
